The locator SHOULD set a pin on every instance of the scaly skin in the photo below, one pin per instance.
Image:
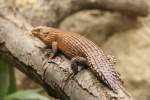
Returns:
(75, 45)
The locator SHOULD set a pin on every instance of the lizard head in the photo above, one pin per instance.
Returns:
(40, 32)
(46, 34)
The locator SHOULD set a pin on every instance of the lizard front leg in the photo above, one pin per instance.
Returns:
(75, 61)
(53, 52)
(54, 49)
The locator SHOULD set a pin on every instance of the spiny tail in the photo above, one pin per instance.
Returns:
(106, 73)
(111, 79)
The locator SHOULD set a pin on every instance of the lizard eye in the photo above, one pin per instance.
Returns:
(46, 33)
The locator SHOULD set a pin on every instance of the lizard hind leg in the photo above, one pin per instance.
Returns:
(75, 61)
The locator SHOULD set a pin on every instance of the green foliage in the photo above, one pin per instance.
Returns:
(8, 86)
(4, 78)
(12, 80)
(26, 95)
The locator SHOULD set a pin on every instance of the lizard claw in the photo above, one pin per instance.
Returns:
(55, 61)
(52, 62)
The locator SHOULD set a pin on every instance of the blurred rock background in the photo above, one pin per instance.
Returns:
(125, 38)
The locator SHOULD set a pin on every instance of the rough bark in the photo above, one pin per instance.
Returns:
(27, 53)
(20, 48)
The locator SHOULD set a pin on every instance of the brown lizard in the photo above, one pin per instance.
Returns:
(81, 51)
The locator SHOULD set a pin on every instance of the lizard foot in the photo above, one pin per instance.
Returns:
(53, 51)
(75, 61)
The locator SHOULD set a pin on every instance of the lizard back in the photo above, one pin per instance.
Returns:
(73, 44)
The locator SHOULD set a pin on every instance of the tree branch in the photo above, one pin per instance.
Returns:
(21, 48)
